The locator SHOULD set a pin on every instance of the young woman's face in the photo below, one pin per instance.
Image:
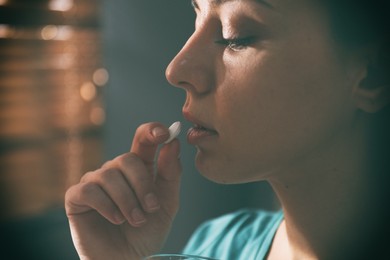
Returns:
(266, 80)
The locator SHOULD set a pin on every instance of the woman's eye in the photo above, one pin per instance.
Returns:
(237, 44)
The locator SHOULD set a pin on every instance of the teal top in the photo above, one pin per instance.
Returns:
(242, 235)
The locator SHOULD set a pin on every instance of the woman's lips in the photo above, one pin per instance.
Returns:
(198, 133)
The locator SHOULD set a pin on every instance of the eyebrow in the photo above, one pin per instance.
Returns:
(219, 2)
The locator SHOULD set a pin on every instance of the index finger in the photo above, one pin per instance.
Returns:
(146, 140)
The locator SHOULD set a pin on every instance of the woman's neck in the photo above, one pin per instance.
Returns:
(330, 200)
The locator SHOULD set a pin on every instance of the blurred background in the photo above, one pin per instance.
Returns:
(76, 79)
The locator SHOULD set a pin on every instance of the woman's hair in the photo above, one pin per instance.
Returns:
(362, 23)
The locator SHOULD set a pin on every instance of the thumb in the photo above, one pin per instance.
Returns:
(169, 172)
(146, 141)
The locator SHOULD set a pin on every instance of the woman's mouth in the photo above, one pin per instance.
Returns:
(198, 133)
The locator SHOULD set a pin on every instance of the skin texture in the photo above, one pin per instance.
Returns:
(288, 108)
(285, 104)
(101, 207)
(272, 102)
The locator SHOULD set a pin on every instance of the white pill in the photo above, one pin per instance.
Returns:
(174, 131)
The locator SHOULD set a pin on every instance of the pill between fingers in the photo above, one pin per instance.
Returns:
(174, 131)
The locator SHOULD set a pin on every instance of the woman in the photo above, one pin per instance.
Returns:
(289, 92)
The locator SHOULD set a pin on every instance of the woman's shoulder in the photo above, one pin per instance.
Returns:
(232, 235)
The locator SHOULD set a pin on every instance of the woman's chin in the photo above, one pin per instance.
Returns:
(221, 171)
(212, 170)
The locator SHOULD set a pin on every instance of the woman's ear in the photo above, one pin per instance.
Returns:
(371, 100)
(371, 90)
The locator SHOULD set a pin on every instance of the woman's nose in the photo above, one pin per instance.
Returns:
(193, 67)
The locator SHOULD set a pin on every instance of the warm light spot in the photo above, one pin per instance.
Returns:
(65, 32)
(60, 5)
(97, 116)
(88, 91)
(5, 30)
(3, 2)
(100, 77)
(49, 32)
(53, 32)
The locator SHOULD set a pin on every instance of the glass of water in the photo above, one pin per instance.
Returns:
(177, 257)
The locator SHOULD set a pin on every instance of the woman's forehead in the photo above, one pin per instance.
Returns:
(276, 5)
(264, 2)
(267, 3)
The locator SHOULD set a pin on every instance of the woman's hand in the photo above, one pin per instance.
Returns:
(125, 209)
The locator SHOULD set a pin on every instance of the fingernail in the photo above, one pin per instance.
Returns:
(158, 131)
(137, 216)
(119, 218)
(151, 202)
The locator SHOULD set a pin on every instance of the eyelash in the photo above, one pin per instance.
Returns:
(237, 44)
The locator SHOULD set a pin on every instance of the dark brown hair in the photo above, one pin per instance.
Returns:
(358, 23)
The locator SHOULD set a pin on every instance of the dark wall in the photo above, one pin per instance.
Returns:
(140, 38)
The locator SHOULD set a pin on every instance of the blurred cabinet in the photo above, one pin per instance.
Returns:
(51, 107)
